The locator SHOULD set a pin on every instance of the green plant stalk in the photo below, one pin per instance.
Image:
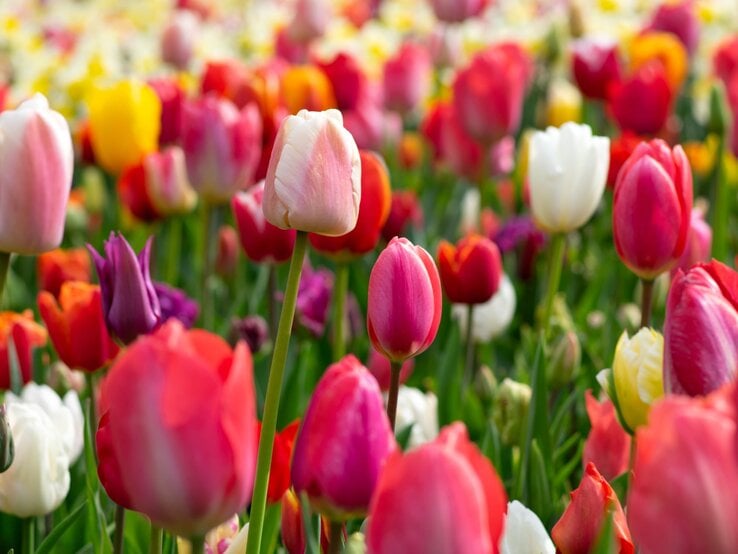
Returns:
(210, 236)
(4, 267)
(558, 244)
(29, 535)
(120, 524)
(339, 310)
(197, 545)
(271, 402)
(155, 540)
(646, 301)
(395, 369)
(721, 210)
(469, 364)
(174, 245)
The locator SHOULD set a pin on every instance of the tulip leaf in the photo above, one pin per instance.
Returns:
(51, 540)
(270, 533)
(540, 486)
(95, 515)
(606, 539)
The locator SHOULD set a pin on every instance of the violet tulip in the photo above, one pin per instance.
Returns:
(36, 159)
(176, 304)
(404, 301)
(130, 303)
(343, 441)
(443, 496)
(652, 208)
(701, 330)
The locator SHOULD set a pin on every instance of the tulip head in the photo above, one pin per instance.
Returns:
(699, 242)
(680, 19)
(641, 102)
(174, 303)
(511, 403)
(407, 77)
(404, 210)
(608, 444)
(56, 267)
(470, 270)
(167, 184)
(19, 332)
(456, 11)
(595, 65)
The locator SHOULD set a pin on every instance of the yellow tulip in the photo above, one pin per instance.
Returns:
(664, 47)
(124, 123)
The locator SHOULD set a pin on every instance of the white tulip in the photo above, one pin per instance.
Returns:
(567, 170)
(420, 410)
(524, 533)
(471, 205)
(38, 479)
(491, 318)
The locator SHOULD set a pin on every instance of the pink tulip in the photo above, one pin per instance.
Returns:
(404, 301)
(380, 367)
(489, 92)
(36, 158)
(343, 441)
(595, 65)
(172, 97)
(222, 146)
(652, 208)
(701, 330)
(607, 445)
(311, 18)
(699, 242)
(407, 77)
(683, 495)
(166, 182)
(441, 497)
(456, 11)
(177, 433)
(177, 39)
(313, 182)
(680, 19)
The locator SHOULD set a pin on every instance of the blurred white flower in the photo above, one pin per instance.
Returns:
(491, 318)
(420, 410)
(524, 533)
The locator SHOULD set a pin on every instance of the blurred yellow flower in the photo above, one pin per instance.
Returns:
(664, 47)
(564, 103)
(701, 155)
(306, 87)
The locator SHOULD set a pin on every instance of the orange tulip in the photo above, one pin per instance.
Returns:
(307, 87)
(25, 334)
(58, 266)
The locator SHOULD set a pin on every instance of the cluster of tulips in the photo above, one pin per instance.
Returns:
(371, 276)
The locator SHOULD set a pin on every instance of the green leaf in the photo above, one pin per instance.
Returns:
(59, 529)
(95, 514)
(272, 521)
(312, 540)
(606, 540)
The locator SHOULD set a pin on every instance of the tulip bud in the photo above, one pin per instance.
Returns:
(172, 98)
(404, 209)
(621, 147)
(456, 11)
(524, 532)
(311, 18)
(565, 357)
(25, 334)
(226, 257)
(347, 79)
(292, 527)
(563, 103)
(642, 102)
(404, 301)
(471, 270)
(680, 19)
(313, 299)
(7, 449)
(485, 384)
(306, 87)
(253, 330)
(314, 178)
(167, 184)
(607, 445)
(491, 318)
(511, 410)
(344, 439)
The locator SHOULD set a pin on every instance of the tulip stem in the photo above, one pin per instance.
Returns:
(646, 301)
(155, 539)
(335, 537)
(339, 311)
(271, 402)
(90, 378)
(558, 244)
(395, 368)
(29, 535)
(120, 523)
(210, 232)
(174, 245)
(197, 545)
(272, 302)
(469, 366)
(721, 207)
(4, 267)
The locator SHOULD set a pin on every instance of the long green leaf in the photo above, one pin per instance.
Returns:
(59, 529)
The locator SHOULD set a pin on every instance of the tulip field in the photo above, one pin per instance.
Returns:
(368, 276)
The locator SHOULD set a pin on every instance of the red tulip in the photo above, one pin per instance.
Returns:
(134, 193)
(292, 526)
(471, 270)
(579, 528)
(652, 207)
(642, 102)
(177, 433)
(348, 80)
(380, 367)
(725, 59)
(26, 334)
(683, 495)
(441, 497)
(77, 326)
(701, 330)
(459, 151)
(224, 78)
(344, 439)
(172, 97)
(58, 266)
(373, 211)
(621, 148)
(279, 470)
(407, 77)
(404, 209)
(404, 301)
(226, 256)
(596, 66)
(607, 445)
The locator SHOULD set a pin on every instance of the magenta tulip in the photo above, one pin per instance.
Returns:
(404, 301)
(456, 11)
(699, 241)
(680, 19)
(652, 208)
(343, 441)
(407, 77)
(701, 330)
(441, 497)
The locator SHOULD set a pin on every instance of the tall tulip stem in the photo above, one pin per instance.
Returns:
(335, 537)
(339, 310)
(395, 368)
(155, 540)
(4, 267)
(721, 195)
(272, 301)
(646, 301)
(210, 236)
(29, 535)
(469, 364)
(197, 545)
(558, 244)
(120, 523)
(271, 402)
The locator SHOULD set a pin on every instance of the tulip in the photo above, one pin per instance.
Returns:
(651, 208)
(407, 78)
(419, 412)
(314, 178)
(134, 195)
(279, 471)
(20, 330)
(348, 81)
(226, 255)
(567, 168)
(682, 497)
(222, 146)
(313, 299)
(36, 157)
(579, 527)
(169, 395)
(488, 93)
(252, 329)
(174, 303)
(343, 442)
(470, 270)
(224, 78)
(678, 18)
(563, 103)
(404, 301)
(220, 540)
(701, 330)
(370, 126)
(607, 445)
(56, 267)
(595, 65)
(380, 367)
(456, 11)
(510, 412)
(129, 300)
(404, 209)
(463, 500)
(490, 318)
(310, 20)
(177, 39)
(172, 97)
(664, 48)
(699, 242)
(124, 124)
(374, 210)
(76, 324)
(166, 182)
(306, 87)
(641, 103)
(725, 59)
(621, 148)
(292, 528)
(524, 532)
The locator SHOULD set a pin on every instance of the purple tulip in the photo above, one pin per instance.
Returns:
(253, 329)
(314, 298)
(175, 303)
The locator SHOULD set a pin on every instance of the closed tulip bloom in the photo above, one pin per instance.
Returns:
(595, 65)
(441, 497)
(699, 242)
(134, 194)
(579, 527)
(172, 98)
(279, 470)
(407, 77)
(177, 39)
(682, 498)
(56, 267)
(311, 18)
(124, 123)
(167, 184)
(292, 528)
(306, 87)
(37, 158)
(172, 395)
(374, 208)
(314, 178)
(456, 11)
(607, 445)
(489, 92)
(470, 270)
(701, 330)
(343, 442)
(567, 169)
(725, 59)
(129, 300)
(348, 80)
(491, 318)
(641, 103)
(652, 205)
(76, 324)
(260, 240)
(25, 334)
(524, 532)
(680, 19)
(222, 146)
(404, 301)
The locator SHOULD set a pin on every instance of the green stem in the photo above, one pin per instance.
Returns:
(335, 537)
(631, 463)
(272, 301)
(155, 540)
(469, 365)
(339, 311)
(197, 545)
(4, 267)
(646, 301)
(29, 535)
(174, 246)
(90, 378)
(395, 369)
(120, 523)
(558, 244)
(210, 236)
(721, 210)
(271, 402)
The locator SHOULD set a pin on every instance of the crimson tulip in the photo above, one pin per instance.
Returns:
(641, 103)
(404, 209)
(172, 97)
(595, 65)
(348, 80)
(279, 470)
(621, 147)
(470, 270)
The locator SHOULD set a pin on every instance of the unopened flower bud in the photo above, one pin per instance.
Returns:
(253, 329)
(485, 383)
(511, 409)
(566, 356)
